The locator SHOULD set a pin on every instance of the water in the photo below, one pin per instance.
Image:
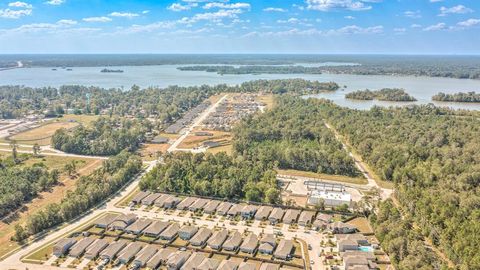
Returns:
(422, 88)
(366, 248)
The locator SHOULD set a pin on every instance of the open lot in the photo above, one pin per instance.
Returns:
(336, 178)
(41, 134)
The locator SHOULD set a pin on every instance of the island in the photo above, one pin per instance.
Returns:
(260, 69)
(458, 97)
(106, 70)
(385, 94)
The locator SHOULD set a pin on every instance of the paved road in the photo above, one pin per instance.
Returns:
(198, 121)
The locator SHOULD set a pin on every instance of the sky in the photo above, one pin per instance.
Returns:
(244, 26)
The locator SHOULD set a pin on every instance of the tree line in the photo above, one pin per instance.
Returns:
(290, 69)
(457, 97)
(385, 94)
(217, 175)
(89, 191)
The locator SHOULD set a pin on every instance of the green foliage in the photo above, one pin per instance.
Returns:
(385, 94)
(216, 175)
(254, 69)
(292, 136)
(457, 97)
(104, 137)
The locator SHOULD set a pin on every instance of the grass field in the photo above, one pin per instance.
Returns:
(224, 148)
(269, 100)
(148, 151)
(83, 119)
(362, 224)
(193, 141)
(41, 134)
(55, 195)
(336, 178)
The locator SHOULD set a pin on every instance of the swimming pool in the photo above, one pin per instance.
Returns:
(366, 248)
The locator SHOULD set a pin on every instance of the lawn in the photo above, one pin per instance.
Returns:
(362, 224)
(320, 176)
(224, 148)
(82, 118)
(148, 151)
(269, 100)
(41, 134)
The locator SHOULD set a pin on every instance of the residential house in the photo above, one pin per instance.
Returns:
(105, 221)
(187, 232)
(129, 252)
(201, 237)
(248, 211)
(112, 250)
(185, 203)
(276, 215)
(211, 207)
(144, 256)
(170, 233)
(263, 212)
(194, 261)
(228, 265)
(154, 229)
(233, 242)
(95, 248)
(79, 248)
(62, 246)
(177, 260)
(209, 264)
(249, 244)
(284, 249)
(150, 199)
(198, 205)
(291, 216)
(140, 196)
(306, 218)
(223, 208)
(217, 239)
(339, 227)
(122, 221)
(138, 226)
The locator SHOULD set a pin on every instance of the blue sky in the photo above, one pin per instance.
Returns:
(244, 26)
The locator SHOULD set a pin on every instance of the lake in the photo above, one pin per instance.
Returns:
(422, 88)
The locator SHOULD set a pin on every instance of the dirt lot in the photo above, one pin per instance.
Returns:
(193, 141)
(149, 151)
(362, 224)
(56, 194)
(337, 178)
(42, 134)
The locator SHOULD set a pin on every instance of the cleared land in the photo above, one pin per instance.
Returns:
(41, 134)
(336, 178)
(148, 152)
(193, 141)
(56, 194)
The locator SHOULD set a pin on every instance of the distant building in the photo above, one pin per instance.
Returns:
(329, 198)
(62, 246)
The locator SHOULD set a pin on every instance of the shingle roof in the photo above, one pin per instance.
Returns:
(233, 241)
(284, 248)
(201, 236)
(113, 249)
(81, 246)
(218, 238)
(156, 227)
(138, 225)
(194, 261)
(250, 242)
(277, 214)
(209, 264)
(263, 212)
(211, 206)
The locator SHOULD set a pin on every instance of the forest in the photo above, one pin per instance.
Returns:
(216, 175)
(254, 69)
(106, 136)
(385, 94)
(162, 104)
(90, 190)
(19, 183)
(431, 154)
(457, 97)
(292, 136)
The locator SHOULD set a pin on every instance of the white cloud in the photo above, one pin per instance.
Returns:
(460, 9)
(354, 29)
(145, 11)
(226, 6)
(326, 5)
(347, 30)
(97, 19)
(14, 14)
(436, 27)
(180, 7)
(415, 25)
(55, 2)
(274, 9)
(349, 17)
(291, 20)
(213, 16)
(413, 14)
(435, 1)
(399, 30)
(149, 27)
(469, 23)
(19, 4)
(124, 14)
(67, 22)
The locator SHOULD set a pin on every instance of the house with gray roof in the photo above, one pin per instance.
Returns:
(223, 208)
(194, 261)
(177, 260)
(217, 239)
(276, 215)
(248, 211)
(228, 265)
(209, 264)
(129, 252)
(171, 202)
(339, 227)
(263, 212)
(269, 266)
(306, 218)
(79, 248)
(122, 221)
(198, 205)
(185, 203)
(233, 242)
(150, 199)
(211, 206)
(95, 248)
(284, 249)
(236, 209)
(160, 201)
(267, 244)
(139, 197)
(246, 266)
(171, 232)
(160, 257)
(62, 246)
(201, 237)
(249, 244)
(105, 221)
(187, 232)
(112, 250)
(138, 226)
(350, 241)
(154, 229)
(291, 216)
(144, 256)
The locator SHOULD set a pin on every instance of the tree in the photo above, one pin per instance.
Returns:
(36, 150)
(20, 233)
(13, 145)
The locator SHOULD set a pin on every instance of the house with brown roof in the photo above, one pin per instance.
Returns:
(122, 221)
(246, 266)
(198, 205)
(140, 195)
(154, 229)
(144, 256)
(105, 220)
(235, 210)
(129, 252)
(62, 246)
(194, 261)
(269, 266)
(161, 257)
(171, 202)
(248, 211)
(228, 265)
(211, 206)
(185, 203)
(201, 237)
(306, 218)
(177, 260)
(217, 239)
(223, 208)
(291, 216)
(209, 264)
(350, 241)
(171, 232)
(263, 212)
(339, 227)
(138, 226)
(267, 244)
(249, 244)
(94, 249)
(112, 250)
(79, 248)
(284, 249)
(187, 232)
(233, 242)
(150, 199)
(276, 215)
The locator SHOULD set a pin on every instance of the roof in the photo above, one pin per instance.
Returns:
(357, 237)
(201, 236)
(138, 225)
(368, 255)
(161, 256)
(160, 201)
(156, 227)
(246, 266)
(341, 225)
(209, 264)
(249, 209)
(266, 247)
(140, 196)
(306, 217)
(331, 195)
(233, 241)
(263, 212)
(211, 206)
(324, 217)
(64, 242)
(131, 250)
(355, 260)
(171, 200)
(146, 254)
(185, 203)
(171, 231)
(80, 246)
(235, 209)
(105, 220)
(198, 204)
(269, 266)
(188, 229)
(96, 247)
(195, 260)
(177, 258)
(291, 215)
(284, 248)
(218, 238)
(224, 207)
(250, 242)
(228, 265)
(124, 220)
(160, 139)
(211, 144)
(268, 238)
(113, 248)
(277, 214)
(151, 198)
